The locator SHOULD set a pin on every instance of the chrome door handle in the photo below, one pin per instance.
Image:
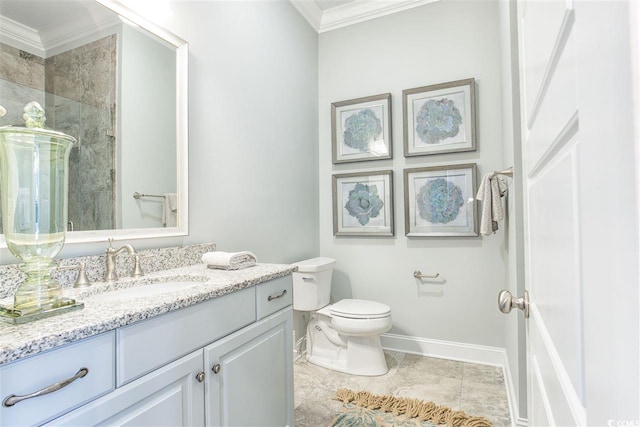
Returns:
(216, 368)
(280, 295)
(200, 376)
(13, 399)
(506, 302)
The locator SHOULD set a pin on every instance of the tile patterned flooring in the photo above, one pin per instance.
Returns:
(478, 390)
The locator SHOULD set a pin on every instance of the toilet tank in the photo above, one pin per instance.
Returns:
(312, 283)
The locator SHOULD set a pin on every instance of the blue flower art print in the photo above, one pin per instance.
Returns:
(437, 120)
(361, 129)
(364, 203)
(439, 201)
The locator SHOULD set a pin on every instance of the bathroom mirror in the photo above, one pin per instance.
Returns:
(118, 84)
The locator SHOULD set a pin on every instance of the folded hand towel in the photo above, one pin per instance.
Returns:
(170, 210)
(492, 188)
(229, 260)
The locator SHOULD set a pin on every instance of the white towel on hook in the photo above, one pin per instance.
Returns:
(170, 210)
(492, 188)
(229, 260)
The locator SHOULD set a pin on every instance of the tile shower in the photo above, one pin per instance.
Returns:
(78, 91)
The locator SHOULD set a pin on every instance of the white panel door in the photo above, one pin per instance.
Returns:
(581, 217)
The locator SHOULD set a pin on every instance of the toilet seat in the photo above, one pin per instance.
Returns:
(359, 309)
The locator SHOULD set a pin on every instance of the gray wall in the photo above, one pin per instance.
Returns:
(146, 157)
(253, 174)
(436, 43)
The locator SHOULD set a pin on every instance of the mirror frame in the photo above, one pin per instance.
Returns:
(182, 142)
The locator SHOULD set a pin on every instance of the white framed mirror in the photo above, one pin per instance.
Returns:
(118, 84)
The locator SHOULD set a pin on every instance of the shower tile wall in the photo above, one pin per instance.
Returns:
(78, 91)
(21, 81)
(80, 84)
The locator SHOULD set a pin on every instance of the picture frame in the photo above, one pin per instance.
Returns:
(361, 129)
(363, 204)
(439, 118)
(440, 201)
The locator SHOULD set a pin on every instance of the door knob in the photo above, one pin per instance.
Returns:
(200, 377)
(506, 302)
(216, 368)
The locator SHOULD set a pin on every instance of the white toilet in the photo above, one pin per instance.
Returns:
(344, 336)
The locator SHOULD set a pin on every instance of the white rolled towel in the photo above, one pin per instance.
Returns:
(229, 260)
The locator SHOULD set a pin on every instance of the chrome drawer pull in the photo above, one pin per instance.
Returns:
(13, 399)
(280, 295)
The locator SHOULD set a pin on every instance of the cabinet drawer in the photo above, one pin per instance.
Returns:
(169, 396)
(273, 295)
(147, 345)
(38, 372)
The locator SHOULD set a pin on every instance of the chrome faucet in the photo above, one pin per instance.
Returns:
(112, 253)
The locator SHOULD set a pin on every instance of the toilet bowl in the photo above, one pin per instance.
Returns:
(344, 336)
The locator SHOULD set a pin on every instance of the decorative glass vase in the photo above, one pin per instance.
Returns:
(34, 164)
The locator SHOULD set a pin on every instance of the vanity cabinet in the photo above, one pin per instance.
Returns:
(249, 376)
(224, 362)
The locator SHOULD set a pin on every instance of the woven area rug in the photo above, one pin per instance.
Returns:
(363, 409)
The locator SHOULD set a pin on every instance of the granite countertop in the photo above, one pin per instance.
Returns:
(100, 315)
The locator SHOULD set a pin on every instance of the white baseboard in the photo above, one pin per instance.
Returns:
(471, 353)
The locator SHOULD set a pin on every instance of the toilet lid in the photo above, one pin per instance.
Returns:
(359, 309)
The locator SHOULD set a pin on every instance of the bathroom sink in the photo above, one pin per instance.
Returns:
(150, 290)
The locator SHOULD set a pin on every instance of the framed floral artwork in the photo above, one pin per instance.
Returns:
(440, 201)
(361, 129)
(363, 204)
(439, 118)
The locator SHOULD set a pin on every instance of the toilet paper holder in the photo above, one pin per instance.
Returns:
(418, 275)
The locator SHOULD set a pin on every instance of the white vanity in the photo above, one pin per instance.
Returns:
(217, 351)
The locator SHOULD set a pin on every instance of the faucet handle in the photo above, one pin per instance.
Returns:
(137, 269)
(137, 265)
(81, 280)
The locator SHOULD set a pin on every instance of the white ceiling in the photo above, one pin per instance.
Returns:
(327, 4)
(327, 15)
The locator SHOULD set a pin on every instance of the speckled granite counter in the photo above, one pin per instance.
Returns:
(98, 315)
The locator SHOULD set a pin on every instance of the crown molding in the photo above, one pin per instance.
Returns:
(61, 39)
(351, 13)
(53, 41)
(20, 36)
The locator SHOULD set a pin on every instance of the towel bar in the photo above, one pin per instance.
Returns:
(137, 195)
(508, 172)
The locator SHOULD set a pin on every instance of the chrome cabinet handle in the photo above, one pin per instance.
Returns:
(216, 368)
(280, 295)
(307, 278)
(506, 302)
(13, 399)
(200, 377)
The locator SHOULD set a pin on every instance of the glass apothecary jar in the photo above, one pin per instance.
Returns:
(34, 164)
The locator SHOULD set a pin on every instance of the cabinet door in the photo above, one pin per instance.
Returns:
(169, 396)
(250, 375)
